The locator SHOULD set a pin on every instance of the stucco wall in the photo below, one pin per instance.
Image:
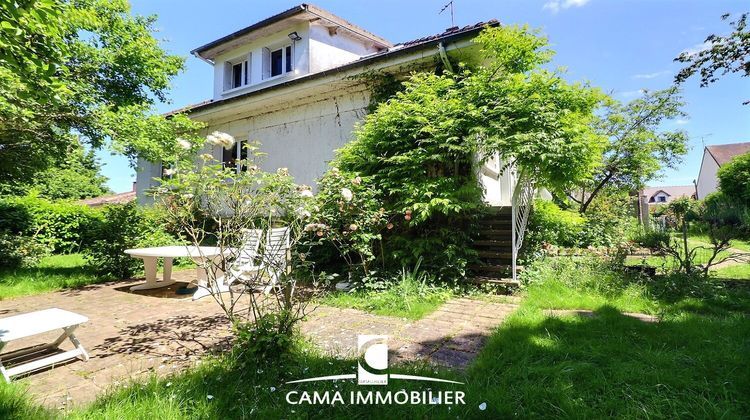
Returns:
(496, 183)
(708, 182)
(329, 49)
(300, 137)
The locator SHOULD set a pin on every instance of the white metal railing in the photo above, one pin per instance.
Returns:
(523, 194)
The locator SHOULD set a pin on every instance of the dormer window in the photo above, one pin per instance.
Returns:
(279, 61)
(237, 73)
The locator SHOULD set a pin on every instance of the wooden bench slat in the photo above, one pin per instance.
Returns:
(42, 363)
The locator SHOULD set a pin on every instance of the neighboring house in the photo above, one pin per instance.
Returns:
(121, 198)
(664, 195)
(294, 83)
(713, 158)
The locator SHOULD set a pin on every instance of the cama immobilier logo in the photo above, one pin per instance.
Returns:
(372, 369)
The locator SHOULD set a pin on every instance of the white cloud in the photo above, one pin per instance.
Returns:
(651, 75)
(695, 49)
(554, 6)
(632, 93)
(680, 121)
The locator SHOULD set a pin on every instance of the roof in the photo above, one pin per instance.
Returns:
(121, 198)
(723, 153)
(672, 191)
(450, 34)
(304, 8)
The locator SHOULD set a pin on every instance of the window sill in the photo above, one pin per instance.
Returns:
(263, 83)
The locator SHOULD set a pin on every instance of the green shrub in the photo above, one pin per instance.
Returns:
(607, 223)
(61, 226)
(610, 220)
(269, 338)
(125, 226)
(652, 239)
(719, 209)
(20, 251)
(550, 224)
(734, 179)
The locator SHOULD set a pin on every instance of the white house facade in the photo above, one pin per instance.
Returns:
(294, 82)
(713, 158)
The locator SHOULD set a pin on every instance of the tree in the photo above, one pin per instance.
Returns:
(720, 231)
(420, 147)
(724, 54)
(637, 147)
(734, 179)
(68, 69)
(78, 176)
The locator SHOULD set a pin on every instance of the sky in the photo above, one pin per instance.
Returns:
(620, 46)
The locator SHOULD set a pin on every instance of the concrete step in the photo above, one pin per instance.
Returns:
(494, 280)
(491, 268)
(494, 210)
(493, 243)
(495, 254)
(496, 233)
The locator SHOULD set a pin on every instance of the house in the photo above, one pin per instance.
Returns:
(103, 200)
(296, 82)
(664, 195)
(713, 158)
(299, 81)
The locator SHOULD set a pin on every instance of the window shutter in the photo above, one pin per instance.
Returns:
(248, 68)
(227, 75)
(266, 63)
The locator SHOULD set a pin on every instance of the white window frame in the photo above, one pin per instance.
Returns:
(272, 49)
(245, 77)
(237, 148)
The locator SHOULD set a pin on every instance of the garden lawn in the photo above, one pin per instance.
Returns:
(691, 364)
(396, 301)
(733, 272)
(52, 273)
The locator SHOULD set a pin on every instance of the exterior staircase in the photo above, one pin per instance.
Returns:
(495, 248)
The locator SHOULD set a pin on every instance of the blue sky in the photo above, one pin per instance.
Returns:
(619, 46)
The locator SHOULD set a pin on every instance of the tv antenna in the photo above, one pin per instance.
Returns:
(450, 4)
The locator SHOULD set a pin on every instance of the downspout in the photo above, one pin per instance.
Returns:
(444, 57)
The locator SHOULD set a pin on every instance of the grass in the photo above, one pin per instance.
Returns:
(410, 297)
(691, 364)
(735, 243)
(52, 273)
(734, 272)
(56, 272)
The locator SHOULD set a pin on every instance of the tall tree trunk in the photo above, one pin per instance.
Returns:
(594, 193)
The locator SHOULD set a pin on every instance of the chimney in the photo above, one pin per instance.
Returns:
(133, 186)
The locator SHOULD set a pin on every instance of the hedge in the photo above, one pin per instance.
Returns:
(61, 226)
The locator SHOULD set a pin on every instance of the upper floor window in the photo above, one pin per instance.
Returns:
(280, 61)
(237, 73)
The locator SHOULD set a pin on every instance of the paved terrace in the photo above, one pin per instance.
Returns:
(132, 334)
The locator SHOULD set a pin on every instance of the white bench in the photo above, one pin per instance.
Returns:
(33, 323)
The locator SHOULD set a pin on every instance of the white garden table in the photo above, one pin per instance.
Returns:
(200, 255)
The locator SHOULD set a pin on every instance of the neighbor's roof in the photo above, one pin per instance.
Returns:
(121, 198)
(404, 47)
(304, 8)
(723, 153)
(672, 191)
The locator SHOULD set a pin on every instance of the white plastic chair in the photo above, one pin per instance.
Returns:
(275, 258)
(247, 258)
